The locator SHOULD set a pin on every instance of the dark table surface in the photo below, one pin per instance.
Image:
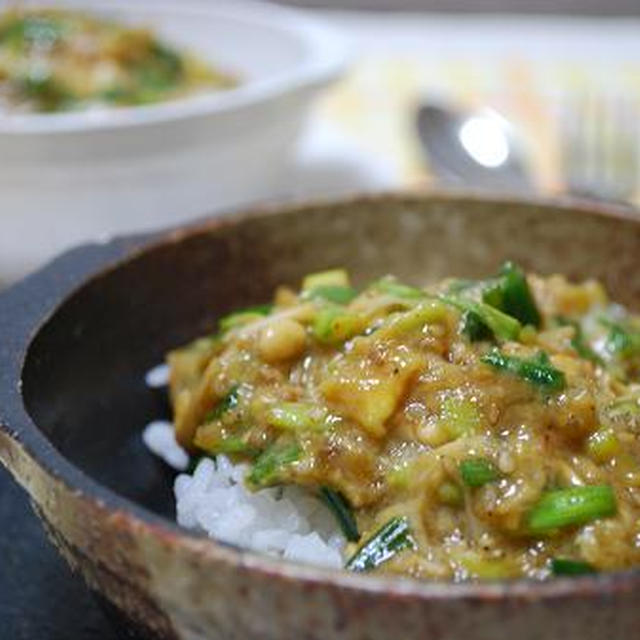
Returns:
(40, 599)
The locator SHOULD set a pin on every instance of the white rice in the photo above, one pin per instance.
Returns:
(285, 522)
(157, 377)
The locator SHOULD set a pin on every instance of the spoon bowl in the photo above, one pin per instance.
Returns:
(479, 150)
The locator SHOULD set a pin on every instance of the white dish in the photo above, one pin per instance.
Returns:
(78, 176)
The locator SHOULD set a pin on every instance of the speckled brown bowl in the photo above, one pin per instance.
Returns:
(78, 336)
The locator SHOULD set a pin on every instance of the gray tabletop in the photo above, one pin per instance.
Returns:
(40, 599)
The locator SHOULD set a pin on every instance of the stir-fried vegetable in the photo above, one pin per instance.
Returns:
(476, 410)
(246, 316)
(474, 328)
(459, 417)
(537, 370)
(392, 287)
(570, 507)
(332, 286)
(389, 540)
(297, 416)
(568, 567)
(270, 463)
(343, 513)
(500, 324)
(476, 472)
(229, 402)
(622, 341)
(56, 59)
(333, 325)
(511, 294)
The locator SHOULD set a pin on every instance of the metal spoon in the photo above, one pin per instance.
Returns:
(477, 150)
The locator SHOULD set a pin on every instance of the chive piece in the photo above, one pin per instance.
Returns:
(579, 342)
(329, 278)
(460, 417)
(567, 567)
(476, 472)
(333, 325)
(537, 370)
(473, 327)
(297, 416)
(245, 316)
(229, 402)
(333, 293)
(385, 543)
(511, 294)
(501, 325)
(392, 287)
(343, 513)
(233, 444)
(570, 507)
(267, 467)
(622, 341)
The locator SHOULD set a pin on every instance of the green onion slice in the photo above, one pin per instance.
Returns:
(571, 507)
(476, 472)
(267, 468)
(567, 567)
(343, 513)
(500, 324)
(243, 317)
(511, 294)
(228, 402)
(384, 544)
(333, 293)
(537, 370)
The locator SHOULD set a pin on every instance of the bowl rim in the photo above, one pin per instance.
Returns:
(325, 61)
(63, 277)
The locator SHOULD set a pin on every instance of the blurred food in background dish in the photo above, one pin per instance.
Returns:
(81, 175)
(61, 60)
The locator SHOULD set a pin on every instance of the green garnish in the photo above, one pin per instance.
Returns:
(537, 370)
(476, 472)
(567, 567)
(44, 89)
(41, 32)
(333, 293)
(233, 444)
(246, 316)
(500, 324)
(392, 287)
(329, 278)
(343, 513)
(266, 469)
(333, 325)
(474, 328)
(460, 417)
(388, 541)
(297, 416)
(571, 507)
(622, 341)
(229, 402)
(510, 293)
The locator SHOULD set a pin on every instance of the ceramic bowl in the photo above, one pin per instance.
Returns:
(78, 336)
(71, 177)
